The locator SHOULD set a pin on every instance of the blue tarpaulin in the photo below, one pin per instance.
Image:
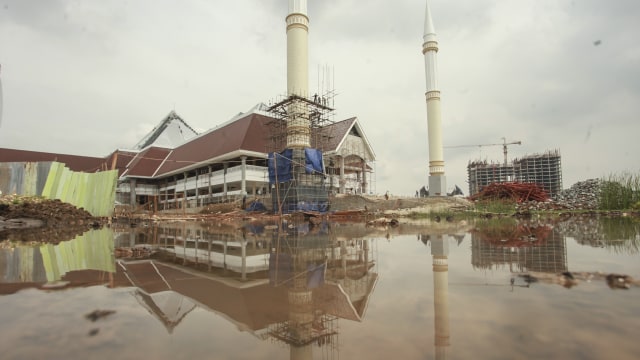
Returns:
(283, 163)
(315, 275)
(313, 161)
(256, 206)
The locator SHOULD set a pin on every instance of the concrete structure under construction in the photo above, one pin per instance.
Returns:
(297, 171)
(542, 169)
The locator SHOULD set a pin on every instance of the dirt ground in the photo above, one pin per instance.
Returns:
(27, 218)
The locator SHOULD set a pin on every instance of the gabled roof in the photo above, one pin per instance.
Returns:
(119, 160)
(247, 134)
(338, 133)
(146, 162)
(172, 131)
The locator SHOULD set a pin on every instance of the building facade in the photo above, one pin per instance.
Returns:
(542, 169)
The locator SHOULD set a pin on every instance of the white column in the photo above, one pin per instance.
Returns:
(342, 180)
(437, 180)
(243, 183)
(298, 124)
(224, 179)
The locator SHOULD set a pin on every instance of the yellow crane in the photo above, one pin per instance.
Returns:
(504, 146)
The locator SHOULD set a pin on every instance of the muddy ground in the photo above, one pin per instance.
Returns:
(27, 218)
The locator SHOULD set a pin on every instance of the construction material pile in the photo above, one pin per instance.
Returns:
(583, 195)
(515, 191)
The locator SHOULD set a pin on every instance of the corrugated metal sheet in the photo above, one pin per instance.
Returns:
(95, 192)
(23, 178)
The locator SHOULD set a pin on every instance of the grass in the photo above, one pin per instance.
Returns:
(620, 192)
(499, 206)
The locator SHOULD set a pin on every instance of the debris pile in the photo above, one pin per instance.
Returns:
(52, 212)
(516, 191)
(582, 195)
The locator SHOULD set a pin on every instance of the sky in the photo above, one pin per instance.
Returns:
(86, 77)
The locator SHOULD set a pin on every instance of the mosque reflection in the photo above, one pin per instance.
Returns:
(287, 282)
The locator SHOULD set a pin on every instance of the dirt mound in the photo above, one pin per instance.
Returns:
(49, 211)
(23, 218)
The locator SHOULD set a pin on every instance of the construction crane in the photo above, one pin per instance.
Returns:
(504, 146)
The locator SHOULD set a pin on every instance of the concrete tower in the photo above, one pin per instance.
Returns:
(298, 125)
(437, 180)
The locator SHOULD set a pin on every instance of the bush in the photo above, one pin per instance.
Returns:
(620, 192)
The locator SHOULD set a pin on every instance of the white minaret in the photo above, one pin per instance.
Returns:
(298, 124)
(437, 180)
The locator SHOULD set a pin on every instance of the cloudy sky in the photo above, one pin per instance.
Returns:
(86, 77)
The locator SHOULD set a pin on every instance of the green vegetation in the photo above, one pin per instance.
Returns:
(620, 234)
(498, 206)
(620, 192)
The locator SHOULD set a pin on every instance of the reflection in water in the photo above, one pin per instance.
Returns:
(440, 253)
(620, 234)
(440, 264)
(290, 283)
(43, 263)
(521, 246)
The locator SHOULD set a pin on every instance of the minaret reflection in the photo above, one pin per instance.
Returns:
(440, 253)
(327, 278)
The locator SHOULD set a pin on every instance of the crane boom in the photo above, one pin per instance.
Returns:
(504, 146)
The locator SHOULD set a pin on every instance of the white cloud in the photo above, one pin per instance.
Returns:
(82, 77)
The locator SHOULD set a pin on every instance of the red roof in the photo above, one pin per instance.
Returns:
(147, 162)
(249, 133)
(73, 162)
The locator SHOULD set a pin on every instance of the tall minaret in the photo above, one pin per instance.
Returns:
(437, 180)
(298, 124)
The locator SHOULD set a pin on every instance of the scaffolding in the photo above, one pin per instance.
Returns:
(547, 255)
(315, 114)
(481, 174)
(544, 170)
(300, 123)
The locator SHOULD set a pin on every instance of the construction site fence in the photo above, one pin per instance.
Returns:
(94, 192)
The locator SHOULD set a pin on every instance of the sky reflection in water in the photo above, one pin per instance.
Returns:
(378, 299)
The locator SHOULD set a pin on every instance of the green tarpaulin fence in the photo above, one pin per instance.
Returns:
(94, 192)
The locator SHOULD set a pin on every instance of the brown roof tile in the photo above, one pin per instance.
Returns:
(336, 132)
(147, 162)
(249, 133)
(73, 162)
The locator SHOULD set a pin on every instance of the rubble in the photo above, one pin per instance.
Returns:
(583, 195)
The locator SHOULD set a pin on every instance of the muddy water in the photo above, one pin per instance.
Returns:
(332, 291)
